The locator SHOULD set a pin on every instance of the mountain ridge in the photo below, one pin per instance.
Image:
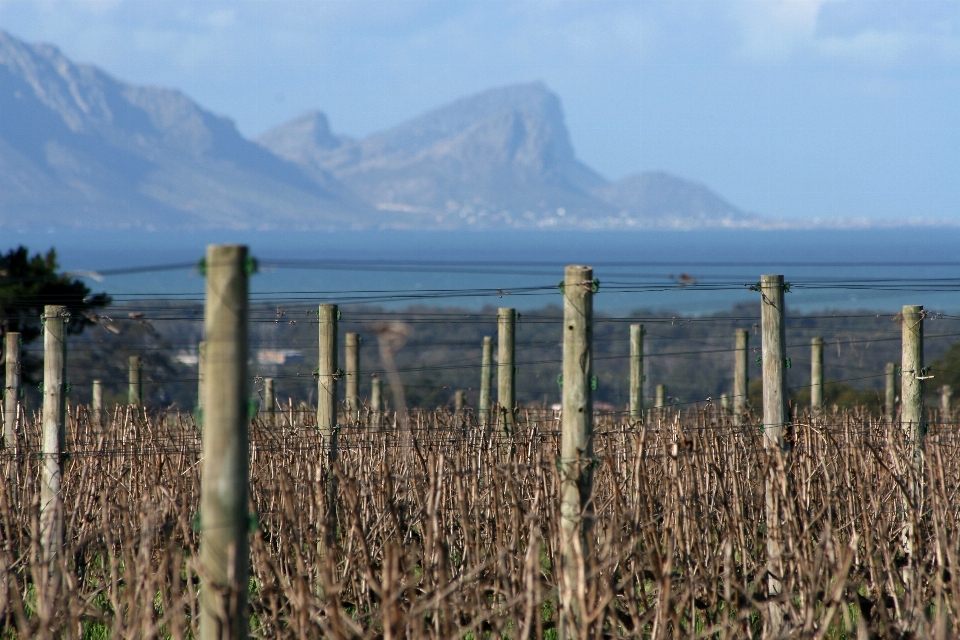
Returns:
(80, 148)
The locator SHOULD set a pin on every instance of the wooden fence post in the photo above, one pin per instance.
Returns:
(327, 376)
(458, 402)
(201, 378)
(270, 401)
(486, 373)
(135, 383)
(328, 316)
(890, 395)
(506, 372)
(946, 393)
(352, 371)
(11, 390)
(816, 376)
(660, 399)
(376, 404)
(774, 361)
(636, 372)
(96, 403)
(741, 375)
(576, 449)
(224, 486)
(912, 374)
(54, 428)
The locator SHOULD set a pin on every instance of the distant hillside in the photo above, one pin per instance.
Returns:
(80, 148)
(501, 157)
(672, 202)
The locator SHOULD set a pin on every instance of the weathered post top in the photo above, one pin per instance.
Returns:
(741, 375)
(506, 391)
(816, 375)
(774, 359)
(326, 374)
(576, 446)
(351, 342)
(912, 371)
(224, 522)
(636, 371)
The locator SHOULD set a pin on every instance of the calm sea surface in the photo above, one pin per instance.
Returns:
(685, 271)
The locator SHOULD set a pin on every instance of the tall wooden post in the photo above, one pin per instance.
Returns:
(376, 404)
(96, 403)
(326, 377)
(506, 393)
(328, 316)
(11, 390)
(458, 402)
(911, 418)
(352, 373)
(946, 393)
(636, 372)
(224, 485)
(816, 376)
(486, 372)
(912, 373)
(135, 385)
(270, 401)
(774, 360)
(576, 449)
(890, 394)
(54, 428)
(741, 376)
(774, 419)
(660, 399)
(201, 377)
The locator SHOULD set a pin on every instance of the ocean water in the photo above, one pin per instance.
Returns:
(690, 272)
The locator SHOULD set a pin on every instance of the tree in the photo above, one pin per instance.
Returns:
(28, 283)
(946, 370)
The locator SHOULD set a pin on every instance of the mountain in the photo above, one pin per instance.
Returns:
(501, 157)
(672, 202)
(80, 148)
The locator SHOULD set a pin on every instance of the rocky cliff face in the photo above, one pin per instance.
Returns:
(499, 157)
(502, 156)
(78, 147)
(81, 148)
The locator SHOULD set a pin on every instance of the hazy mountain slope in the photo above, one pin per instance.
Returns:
(78, 147)
(671, 201)
(501, 156)
(81, 148)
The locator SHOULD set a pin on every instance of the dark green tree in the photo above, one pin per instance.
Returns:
(946, 370)
(28, 283)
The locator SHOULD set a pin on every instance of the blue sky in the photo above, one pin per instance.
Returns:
(793, 109)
